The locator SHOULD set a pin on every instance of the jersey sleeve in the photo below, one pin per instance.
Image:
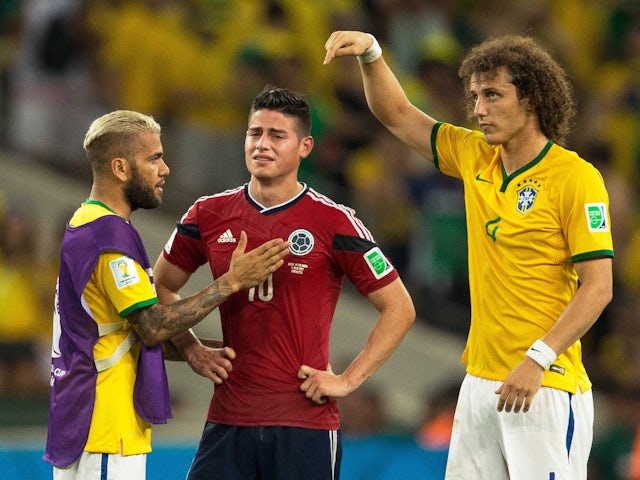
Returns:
(359, 256)
(585, 214)
(455, 149)
(185, 247)
(127, 284)
(364, 263)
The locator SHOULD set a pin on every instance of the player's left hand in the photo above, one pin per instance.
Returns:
(518, 390)
(318, 385)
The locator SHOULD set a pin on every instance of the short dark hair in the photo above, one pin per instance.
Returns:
(287, 102)
(536, 75)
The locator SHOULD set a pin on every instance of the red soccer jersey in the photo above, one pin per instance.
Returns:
(285, 322)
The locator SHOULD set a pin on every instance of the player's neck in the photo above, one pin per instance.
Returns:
(518, 152)
(271, 193)
(112, 198)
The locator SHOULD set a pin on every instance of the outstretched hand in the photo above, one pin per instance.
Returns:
(248, 269)
(346, 43)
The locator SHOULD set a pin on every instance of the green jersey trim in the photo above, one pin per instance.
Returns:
(136, 306)
(507, 178)
(98, 202)
(591, 255)
(434, 134)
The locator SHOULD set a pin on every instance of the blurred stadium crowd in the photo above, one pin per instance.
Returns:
(195, 65)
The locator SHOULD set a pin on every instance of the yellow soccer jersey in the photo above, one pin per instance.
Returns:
(118, 286)
(525, 231)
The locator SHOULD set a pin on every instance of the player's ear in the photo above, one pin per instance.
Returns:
(306, 145)
(120, 168)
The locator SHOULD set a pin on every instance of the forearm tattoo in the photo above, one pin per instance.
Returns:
(161, 322)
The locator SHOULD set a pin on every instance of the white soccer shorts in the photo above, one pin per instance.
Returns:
(104, 466)
(551, 441)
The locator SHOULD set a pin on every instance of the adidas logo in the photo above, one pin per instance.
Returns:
(227, 237)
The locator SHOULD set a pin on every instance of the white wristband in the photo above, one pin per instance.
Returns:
(372, 53)
(542, 354)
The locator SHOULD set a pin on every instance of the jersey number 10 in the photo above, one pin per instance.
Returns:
(265, 290)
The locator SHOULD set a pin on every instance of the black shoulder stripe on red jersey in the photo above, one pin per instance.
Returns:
(351, 243)
(188, 230)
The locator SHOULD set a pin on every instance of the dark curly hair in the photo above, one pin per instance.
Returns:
(536, 75)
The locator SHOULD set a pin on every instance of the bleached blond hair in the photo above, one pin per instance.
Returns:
(116, 134)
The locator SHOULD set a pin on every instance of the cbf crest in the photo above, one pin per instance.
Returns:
(527, 191)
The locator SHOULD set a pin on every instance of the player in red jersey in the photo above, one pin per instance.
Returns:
(273, 414)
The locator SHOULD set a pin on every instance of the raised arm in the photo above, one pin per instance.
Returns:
(385, 96)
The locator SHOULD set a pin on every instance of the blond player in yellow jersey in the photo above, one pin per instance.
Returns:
(110, 334)
(540, 254)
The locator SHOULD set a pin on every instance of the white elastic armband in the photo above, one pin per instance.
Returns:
(372, 53)
(542, 354)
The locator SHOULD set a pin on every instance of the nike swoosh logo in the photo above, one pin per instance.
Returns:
(478, 178)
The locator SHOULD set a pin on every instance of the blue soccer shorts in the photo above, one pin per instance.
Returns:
(266, 453)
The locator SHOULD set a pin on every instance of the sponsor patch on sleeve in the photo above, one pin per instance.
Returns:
(377, 263)
(124, 271)
(597, 217)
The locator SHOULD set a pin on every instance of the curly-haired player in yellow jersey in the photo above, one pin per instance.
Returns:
(540, 253)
